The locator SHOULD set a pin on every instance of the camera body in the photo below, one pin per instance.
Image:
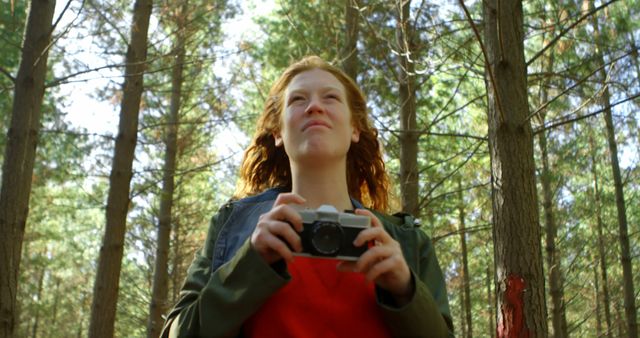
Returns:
(328, 233)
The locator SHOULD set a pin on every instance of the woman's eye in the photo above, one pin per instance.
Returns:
(333, 97)
(295, 98)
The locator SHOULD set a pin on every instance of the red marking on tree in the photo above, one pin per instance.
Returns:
(512, 324)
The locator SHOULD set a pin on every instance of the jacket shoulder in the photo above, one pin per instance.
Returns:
(267, 195)
(399, 219)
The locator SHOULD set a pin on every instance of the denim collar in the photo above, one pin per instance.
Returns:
(272, 193)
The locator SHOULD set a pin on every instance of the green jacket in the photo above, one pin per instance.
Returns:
(228, 280)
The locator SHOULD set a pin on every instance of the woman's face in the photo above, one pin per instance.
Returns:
(316, 121)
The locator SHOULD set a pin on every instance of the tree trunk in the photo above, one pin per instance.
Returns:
(625, 252)
(596, 284)
(634, 55)
(558, 317)
(517, 250)
(105, 295)
(36, 317)
(176, 274)
(19, 156)
(349, 52)
(556, 284)
(463, 324)
(407, 96)
(56, 301)
(491, 304)
(465, 264)
(159, 303)
(601, 244)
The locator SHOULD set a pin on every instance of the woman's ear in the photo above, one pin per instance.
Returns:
(355, 135)
(277, 138)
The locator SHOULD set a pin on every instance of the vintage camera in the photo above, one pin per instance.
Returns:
(328, 233)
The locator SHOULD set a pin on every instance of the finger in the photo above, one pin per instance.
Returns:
(275, 244)
(284, 213)
(372, 256)
(377, 234)
(388, 265)
(289, 198)
(287, 234)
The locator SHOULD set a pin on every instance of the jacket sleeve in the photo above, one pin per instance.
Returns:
(216, 303)
(427, 314)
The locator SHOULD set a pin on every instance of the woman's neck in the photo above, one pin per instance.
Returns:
(322, 185)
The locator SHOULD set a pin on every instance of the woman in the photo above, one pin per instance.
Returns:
(314, 145)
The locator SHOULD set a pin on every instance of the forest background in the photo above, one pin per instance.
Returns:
(429, 72)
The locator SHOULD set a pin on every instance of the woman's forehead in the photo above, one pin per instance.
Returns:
(314, 79)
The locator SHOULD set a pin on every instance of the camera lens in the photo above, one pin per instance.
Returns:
(327, 238)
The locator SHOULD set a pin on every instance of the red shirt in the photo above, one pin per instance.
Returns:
(319, 301)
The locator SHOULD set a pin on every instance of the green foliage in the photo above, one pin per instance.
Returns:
(224, 92)
(12, 21)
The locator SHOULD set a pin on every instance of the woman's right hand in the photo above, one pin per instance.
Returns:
(276, 233)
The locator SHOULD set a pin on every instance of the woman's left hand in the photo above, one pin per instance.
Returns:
(383, 263)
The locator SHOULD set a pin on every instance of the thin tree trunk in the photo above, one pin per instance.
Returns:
(517, 250)
(625, 252)
(105, 295)
(349, 52)
(558, 317)
(601, 245)
(36, 316)
(176, 274)
(556, 285)
(56, 301)
(491, 304)
(619, 322)
(468, 324)
(159, 302)
(463, 326)
(634, 56)
(407, 96)
(19, 156)
(596, 283)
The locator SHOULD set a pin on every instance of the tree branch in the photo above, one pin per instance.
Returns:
(545, 128)
(487, 65)
(6, 72)
(466, 231)
(579, 82)
(566, 30)
(425, 201)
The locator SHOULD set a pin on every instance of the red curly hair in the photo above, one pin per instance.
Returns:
(266, 166)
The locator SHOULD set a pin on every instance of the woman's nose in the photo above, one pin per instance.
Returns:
(315, 106)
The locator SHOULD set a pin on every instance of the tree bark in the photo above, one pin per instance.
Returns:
(56, 301)
(105, 295)
(159, 302)
(468, 324)
(601, 245)
(556, 283)
(19, 156)
(521, 310)
(349, 52)
(625, 252)
(36, 317)
(408, 125)
(491, 304)
(596, 285)
(176, 271)
(556, 287)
